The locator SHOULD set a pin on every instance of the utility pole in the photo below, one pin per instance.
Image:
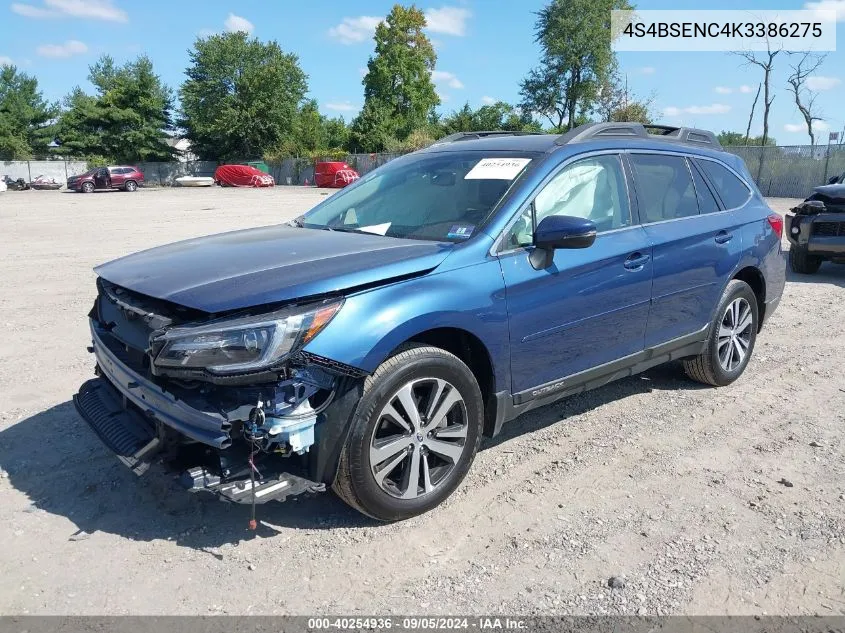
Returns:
(830, 137)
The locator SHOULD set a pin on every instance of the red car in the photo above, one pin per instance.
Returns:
(119, 177)
(334, 174)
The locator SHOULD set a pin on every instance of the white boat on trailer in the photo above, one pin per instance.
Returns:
(195, 181)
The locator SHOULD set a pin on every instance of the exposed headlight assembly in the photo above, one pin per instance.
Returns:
(243, 344)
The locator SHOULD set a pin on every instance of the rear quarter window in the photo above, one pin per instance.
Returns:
(733, 192)
(706, 202)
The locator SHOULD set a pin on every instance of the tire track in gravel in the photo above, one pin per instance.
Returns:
(694, 459)
(586, 479)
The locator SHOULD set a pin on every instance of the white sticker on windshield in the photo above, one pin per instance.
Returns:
(378, 229)
(497, 168)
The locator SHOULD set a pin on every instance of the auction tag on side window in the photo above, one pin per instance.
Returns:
(497, 168)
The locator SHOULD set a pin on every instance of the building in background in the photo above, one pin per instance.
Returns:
(183, 149)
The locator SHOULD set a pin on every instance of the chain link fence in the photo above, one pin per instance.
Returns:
(788, 171)
(791, 171)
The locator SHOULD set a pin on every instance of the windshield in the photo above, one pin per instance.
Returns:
(438, 196)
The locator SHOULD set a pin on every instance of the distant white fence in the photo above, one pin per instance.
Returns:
(165, 174)
(291, 171)
(58, 170)
(789, 171)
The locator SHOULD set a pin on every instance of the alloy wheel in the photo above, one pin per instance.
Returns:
(735, 331)
(419, 438)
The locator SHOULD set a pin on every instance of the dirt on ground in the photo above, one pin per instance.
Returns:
(696, 500)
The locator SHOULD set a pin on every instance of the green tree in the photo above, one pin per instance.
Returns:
(337, 133)
(313, 135)
(633, 111)
(126, 121)
(616, 102)
(374, 129)
(495, 116)
(309, 133)
(80, 127)
(504, 116)
(738, 138)
(25, 118)
(462, 120)
(575, 39)
(242, 97)
(399, 95)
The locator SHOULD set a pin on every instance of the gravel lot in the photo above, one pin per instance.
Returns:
(671, 487)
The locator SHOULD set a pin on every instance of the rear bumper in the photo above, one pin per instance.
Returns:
(155, 403)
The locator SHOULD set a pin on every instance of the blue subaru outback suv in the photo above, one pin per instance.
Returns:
(369, 344)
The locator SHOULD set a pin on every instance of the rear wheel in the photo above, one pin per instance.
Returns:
(802, 262)
(87, 187)
(731, 339)
(413, 437)
(130, 186)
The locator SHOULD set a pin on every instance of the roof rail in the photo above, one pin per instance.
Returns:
(465, 136)
(598, 131)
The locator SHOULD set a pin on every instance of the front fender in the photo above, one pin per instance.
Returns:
(373, 323)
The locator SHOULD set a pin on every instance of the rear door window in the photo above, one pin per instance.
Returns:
(664, 187)
(733, 192)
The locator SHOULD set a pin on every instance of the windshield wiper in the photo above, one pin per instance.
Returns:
(343, 229)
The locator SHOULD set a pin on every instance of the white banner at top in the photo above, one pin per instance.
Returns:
(739, 30)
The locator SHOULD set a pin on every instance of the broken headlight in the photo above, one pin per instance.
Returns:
(243, 344)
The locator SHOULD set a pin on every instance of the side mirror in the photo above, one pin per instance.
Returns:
(564, 231)
(560, 231)
(833, 180)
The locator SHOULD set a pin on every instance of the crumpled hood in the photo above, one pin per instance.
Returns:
(831, 191)
(267, 265)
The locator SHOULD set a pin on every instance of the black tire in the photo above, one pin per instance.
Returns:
(130, 186)
(707, 367)
(355, 483)
(87, 187)
(802, 262)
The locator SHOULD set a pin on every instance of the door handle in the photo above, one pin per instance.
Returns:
(723, 237)
(636, 261)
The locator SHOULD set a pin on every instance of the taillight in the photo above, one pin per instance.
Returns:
(776, 223)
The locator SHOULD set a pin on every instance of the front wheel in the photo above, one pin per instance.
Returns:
(87, 187)
(414, 435)
(802, 262)
(131, 186)
(731, 339)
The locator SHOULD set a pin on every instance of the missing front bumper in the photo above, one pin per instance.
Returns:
(135, 440)
(274, 488)
(129, 436)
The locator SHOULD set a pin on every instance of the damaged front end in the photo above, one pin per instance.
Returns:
(817, 226)
(231, 402)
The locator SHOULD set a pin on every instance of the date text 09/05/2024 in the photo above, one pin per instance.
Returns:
(417, 623)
